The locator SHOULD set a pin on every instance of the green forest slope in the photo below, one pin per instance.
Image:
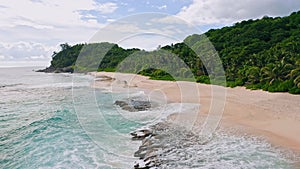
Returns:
(259, 54)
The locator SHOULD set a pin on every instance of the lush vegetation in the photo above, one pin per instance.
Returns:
(91, 55)
(259, 54)
(66, 57)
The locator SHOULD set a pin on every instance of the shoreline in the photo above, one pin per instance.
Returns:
(273, 116)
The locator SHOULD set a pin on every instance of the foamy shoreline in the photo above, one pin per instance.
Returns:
(274, 116)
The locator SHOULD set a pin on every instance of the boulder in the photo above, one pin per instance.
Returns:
(68, 69)
(148, 151)
(121, 103)
(140, 105)
(141, 134)
(133, 105)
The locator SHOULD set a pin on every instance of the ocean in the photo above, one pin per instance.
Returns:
(58, 121)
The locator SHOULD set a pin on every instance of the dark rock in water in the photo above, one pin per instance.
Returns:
(51, 69)
(104, 78)
(141, 153)
(10, 85)
(58, 70)
(141, 105)
(129, 108)
(68, 69)
(164, 146)
(141, 134)
(140, 165)
(125, 106)
(144, 148)
(133, 105)
(121, 103)
(47, 70)
(148, 151)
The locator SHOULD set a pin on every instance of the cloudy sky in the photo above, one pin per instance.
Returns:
(32, 29)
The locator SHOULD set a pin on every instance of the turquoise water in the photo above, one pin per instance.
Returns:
(39, 126)
(47, 121)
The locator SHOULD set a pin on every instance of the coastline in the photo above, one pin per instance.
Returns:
(273, 116)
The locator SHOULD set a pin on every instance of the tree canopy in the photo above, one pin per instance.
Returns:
(259, 54)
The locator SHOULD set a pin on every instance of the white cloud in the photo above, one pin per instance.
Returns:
(49, 21)
(131, 9)
(153, 24)
(90, 16)
(29, 23)
(203, 12)
(107, 8)
(58, 20)
(41, 57)
(25, 51)
(124, 4)
(26, 63)
(110, 20)
(55, 13)
(162, 7)
(170, 20)
(44, 24)
(172, 26)
(146, 41)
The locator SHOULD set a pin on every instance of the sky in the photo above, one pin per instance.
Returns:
(32, 29)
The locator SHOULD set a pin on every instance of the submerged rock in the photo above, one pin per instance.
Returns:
(104, 78)
(121, 103)
(140, 105)
(133, 105)
(141, 134)
(51, 69)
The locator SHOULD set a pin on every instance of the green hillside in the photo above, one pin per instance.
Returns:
(259, 54)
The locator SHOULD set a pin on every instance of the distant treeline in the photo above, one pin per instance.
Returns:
(259, 54)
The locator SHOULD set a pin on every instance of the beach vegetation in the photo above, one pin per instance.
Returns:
(258, 54)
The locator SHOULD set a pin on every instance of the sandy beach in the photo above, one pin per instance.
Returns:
(273, 116)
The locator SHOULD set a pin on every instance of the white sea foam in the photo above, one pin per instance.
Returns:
(180, 149)
(40, 129)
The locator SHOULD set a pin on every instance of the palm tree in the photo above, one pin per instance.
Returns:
(253, 74)
(278, 71)
(268, 74)
(295, 74)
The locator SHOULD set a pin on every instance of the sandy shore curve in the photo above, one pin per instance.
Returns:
(274, 116)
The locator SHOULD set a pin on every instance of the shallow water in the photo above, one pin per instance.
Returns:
(47, 121)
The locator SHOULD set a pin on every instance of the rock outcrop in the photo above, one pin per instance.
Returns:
(133, 105)
(148, 151)
(163, 144)
(51, 69)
